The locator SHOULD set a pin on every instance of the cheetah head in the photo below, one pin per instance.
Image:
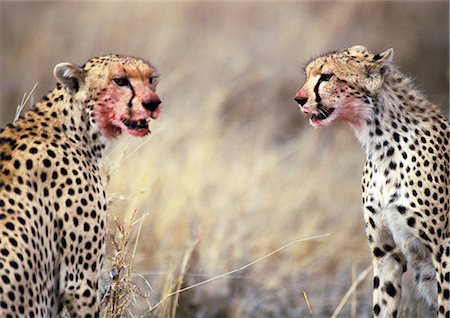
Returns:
(338, 85)
(119, 92)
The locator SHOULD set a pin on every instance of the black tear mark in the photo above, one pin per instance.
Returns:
(316, 91)
(323, 78)
(133, 94)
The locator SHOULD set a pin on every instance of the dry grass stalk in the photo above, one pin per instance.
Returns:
(307, 301)
(174, 281)
(354, 299)
(120, 289)
(179, 291)
(26, 97)
(184, 266)
(351, 290)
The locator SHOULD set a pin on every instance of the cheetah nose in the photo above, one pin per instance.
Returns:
(301, 101)
(151, 105)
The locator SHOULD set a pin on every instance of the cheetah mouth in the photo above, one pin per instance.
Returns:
(136, 124)
(324, 113)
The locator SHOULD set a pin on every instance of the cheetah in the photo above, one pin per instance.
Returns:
(406, 178)
(52, 200)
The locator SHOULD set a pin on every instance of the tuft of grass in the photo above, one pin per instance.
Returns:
(118, 289)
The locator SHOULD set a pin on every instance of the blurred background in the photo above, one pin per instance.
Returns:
(232, 171)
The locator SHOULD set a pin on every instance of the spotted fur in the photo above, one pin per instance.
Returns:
(406, 177)
(52, 200)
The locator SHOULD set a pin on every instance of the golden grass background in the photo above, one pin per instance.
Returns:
(231, 171)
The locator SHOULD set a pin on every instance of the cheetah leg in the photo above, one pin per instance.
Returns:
(388, 270)
(420, 259)
(388, 266)
(442, 264)
(80, 296)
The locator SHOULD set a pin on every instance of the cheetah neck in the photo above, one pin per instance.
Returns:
(399, 113)
(74, 119)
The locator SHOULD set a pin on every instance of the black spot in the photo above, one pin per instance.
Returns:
(47, 163)
(372, 223)
(371, 209)
(5, 280)
(424, 236)
(446, 294)
(11, 296)
(376, 282)
(396, 137)
(29, 164)
(390, 289)
(390, 151)
(87, 293)
(10, 226)
(16, 164)
(411, 222)
(401, 209)
(376, 309)
(378, 252)
(13, 241)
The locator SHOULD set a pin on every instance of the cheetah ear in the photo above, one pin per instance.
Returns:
(377, 70)
(382, 62)
(70, 76)
(385, 57)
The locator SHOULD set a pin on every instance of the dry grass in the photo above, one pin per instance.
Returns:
(231, 171)
(117, 286)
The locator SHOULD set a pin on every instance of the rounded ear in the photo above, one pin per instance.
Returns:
(70, 76)
(384, 57)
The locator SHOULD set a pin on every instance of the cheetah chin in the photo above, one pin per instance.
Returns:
(323, 118)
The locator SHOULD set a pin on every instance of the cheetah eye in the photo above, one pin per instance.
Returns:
(325, 77)
(121, 81)
(152, 80)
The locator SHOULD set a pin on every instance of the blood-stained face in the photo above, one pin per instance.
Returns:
(337, 85)
(121, 90)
